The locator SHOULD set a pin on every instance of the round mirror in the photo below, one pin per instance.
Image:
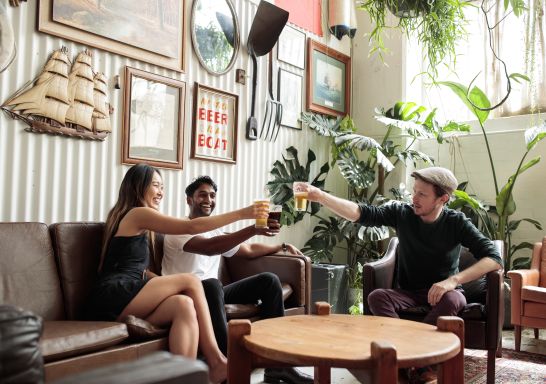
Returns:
(215, 34)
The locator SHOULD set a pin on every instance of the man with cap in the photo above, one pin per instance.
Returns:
(430, 238)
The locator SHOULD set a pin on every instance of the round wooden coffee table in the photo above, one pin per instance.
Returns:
(379, 344)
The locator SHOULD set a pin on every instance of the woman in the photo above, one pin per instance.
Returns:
(125, 287)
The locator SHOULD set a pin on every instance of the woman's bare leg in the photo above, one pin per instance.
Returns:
(158, 290)
(179, 312)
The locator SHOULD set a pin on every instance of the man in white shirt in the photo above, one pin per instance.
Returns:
(201, 255)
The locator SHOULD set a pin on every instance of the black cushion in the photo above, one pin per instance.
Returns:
(21, 360)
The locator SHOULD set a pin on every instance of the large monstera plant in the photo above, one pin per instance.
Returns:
(365, 164)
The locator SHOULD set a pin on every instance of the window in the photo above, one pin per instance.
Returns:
(518, 41)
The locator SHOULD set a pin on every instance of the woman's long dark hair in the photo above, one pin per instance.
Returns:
(132, 191)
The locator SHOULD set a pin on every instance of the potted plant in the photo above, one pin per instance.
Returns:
(437, 25)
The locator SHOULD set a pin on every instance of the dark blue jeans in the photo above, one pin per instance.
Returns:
(264, 287)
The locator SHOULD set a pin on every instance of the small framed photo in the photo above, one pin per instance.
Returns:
(291, 47)
(290, 95)
(153, 115)
(214, 128)
(328, 80)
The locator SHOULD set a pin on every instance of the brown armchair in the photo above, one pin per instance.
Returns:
(529, 294)
(483, 315)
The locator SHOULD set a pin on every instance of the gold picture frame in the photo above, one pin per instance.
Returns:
(106, 28)
(153, 119)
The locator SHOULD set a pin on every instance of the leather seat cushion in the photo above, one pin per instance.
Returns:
(536, 294)
(241, 311)
(63, 339)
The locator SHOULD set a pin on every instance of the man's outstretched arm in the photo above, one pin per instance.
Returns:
(219, 244)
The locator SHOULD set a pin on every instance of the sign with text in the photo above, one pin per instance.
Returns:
(214, 133)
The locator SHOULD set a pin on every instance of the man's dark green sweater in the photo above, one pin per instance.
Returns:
(428, 252)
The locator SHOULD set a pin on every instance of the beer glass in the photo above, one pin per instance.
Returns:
(275, 212)
(300, 195)
(261, 222)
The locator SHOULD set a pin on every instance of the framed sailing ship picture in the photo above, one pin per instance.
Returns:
(328, 80)
(150, 31)
(153, 116)
(214, 128)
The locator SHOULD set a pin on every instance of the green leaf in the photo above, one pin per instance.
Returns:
(534, 134)
(518, 76)
(476, 95)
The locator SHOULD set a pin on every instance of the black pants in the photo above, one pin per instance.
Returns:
(264, 287)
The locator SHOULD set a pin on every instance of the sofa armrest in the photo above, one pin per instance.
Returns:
(379, 274)
(494, 306)
(520, 278)
(294, 270)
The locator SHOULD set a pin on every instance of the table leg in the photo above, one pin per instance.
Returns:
(452, 370)
(239, 359)
(385, 370)
(322, 375)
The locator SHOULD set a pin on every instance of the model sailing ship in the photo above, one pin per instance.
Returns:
(64, 99)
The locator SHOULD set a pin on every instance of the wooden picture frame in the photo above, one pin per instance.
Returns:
(291, 47)
(290, 89)
(153, 119)
(328, 80)
(71, 20)
(214, 126)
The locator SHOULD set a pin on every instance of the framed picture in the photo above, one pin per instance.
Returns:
(122, 26)
(214, 128)
(290, 96)
(328, 80)
(291, 47)
(153, 116)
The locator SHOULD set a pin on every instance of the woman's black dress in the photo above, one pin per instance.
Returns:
(121, 277)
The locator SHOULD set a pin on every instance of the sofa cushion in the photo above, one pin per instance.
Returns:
(63, 339)
(536, 294)
(77, 248)
(28, 274)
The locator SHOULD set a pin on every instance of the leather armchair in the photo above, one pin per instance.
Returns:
(483, 315)
(529, 294)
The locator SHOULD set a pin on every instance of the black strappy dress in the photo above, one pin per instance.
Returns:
(121, 278)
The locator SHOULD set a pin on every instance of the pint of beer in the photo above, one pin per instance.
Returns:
(300, 195)
(261, 222)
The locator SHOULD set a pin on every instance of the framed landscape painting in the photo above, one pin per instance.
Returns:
(328, 80)
(150, 31)
(153, 116)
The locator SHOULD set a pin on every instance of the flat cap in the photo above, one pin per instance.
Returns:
(442, 177)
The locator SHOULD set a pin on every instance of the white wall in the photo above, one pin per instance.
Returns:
(53, 179)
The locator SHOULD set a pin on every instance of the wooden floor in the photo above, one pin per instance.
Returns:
(342, 376)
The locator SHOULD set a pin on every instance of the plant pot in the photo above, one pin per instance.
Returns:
(408, 8)
(330, 282)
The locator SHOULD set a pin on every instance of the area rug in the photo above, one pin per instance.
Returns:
(512, 367)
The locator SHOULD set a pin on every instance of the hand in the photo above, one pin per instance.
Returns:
(313, 193)
(273, 227)
(438, 290)
(254, 211)
(293, 250)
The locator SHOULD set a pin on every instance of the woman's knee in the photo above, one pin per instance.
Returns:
(182, 305)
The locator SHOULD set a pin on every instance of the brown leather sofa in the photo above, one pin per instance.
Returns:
(483, 315)
(50, 270)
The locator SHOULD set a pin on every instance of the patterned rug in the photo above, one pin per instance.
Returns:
(512, 367)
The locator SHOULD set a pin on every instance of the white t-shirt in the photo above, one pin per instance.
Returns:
(176, 260)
